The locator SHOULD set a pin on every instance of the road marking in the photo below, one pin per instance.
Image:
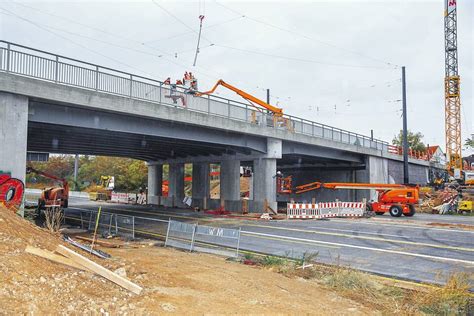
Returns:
(283, 239)
(376, 234)
(356, 231)
(414, 227)
(309, 231)
(362, 247)
(365, 238)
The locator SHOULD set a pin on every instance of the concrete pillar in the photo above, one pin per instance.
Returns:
(376, 171)
(264, 186)
(155, 180)
(13, 134)
(176, 184)
(230, 184)
(201, 184)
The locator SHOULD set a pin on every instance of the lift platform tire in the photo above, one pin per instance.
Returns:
(65, 204)
(396, 211)
(412, 211)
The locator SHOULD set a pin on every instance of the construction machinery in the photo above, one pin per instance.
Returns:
(103, 191)
(57, 196)
(259, 105)
(452, 91)
(11, 192)
(397, 199)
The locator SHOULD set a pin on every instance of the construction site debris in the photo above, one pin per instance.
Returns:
(98, 253)
(53, 257)
(100, 270)
(99, 242)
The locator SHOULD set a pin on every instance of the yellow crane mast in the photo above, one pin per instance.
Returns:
(452, 90)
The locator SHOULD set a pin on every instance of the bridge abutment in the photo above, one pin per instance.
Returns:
(13, 134)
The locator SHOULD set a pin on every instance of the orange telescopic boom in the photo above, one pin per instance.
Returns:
(276, 111)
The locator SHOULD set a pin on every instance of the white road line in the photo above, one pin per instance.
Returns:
(356, 231)
(361, 247)
(413, 226)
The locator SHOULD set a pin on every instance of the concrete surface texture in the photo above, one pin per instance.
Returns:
(13, 134)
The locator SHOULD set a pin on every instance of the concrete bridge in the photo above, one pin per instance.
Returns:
(51, 103)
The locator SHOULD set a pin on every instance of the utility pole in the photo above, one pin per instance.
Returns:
(406, 178)
(268, 96)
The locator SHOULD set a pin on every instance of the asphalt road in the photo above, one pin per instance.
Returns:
(424, 248)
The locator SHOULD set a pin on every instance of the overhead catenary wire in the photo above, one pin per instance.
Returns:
(71, 41)
(305, 36)
(297, 58)
(178, 19)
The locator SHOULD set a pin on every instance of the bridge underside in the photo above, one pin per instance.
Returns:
(43, 137)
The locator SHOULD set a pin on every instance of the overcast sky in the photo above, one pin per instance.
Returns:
(334, 62)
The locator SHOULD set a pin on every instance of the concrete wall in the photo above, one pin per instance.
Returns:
(417, 174)
(13, 134)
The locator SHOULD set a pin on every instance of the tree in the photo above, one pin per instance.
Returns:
(469, 143)
(414, 140)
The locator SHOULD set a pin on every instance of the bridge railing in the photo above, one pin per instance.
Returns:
(30, 62)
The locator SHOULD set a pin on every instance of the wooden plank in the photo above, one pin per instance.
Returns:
(54, 257)
(100, 270)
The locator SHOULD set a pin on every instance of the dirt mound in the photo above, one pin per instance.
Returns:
(33, 285)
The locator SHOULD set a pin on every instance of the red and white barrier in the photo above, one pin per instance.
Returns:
(325, 210)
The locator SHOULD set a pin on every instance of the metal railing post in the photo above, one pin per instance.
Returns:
(192, 238)
(96, 78)
(228, 109)
(168, 231)
(8, 57)
(208, 104)
(56, 72)
(133, 227)
(246, 113)
(161, 87)
(238, 243)
(312, 128)
(131, 85)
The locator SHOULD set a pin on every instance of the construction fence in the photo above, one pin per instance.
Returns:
(325, 210)
(188, 236)
(112, 224)
(194, 237)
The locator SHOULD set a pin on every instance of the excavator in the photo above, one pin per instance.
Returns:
(57, 195)
(278, 119)
(397, 199)
(11, 192)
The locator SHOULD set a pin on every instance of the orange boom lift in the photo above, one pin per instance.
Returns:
(397, 199)
(53, 195)
(276, 111)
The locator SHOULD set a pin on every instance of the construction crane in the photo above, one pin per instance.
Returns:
(452, 91)
(278, 112)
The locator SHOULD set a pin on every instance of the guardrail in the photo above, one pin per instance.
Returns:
(42, 65)
(415, 154)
